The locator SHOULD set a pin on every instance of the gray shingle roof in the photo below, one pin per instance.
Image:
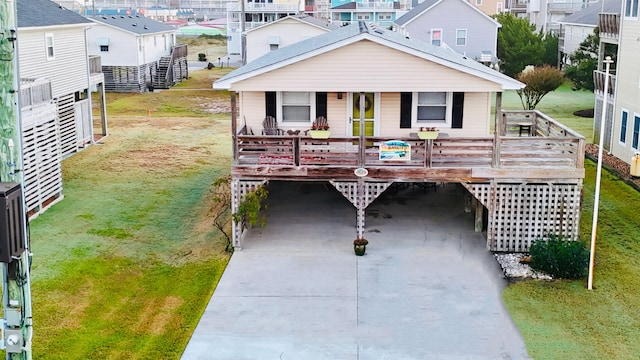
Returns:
(33, 13)
(590, 15)
(134, 23)
(316, 43)
(417, 10)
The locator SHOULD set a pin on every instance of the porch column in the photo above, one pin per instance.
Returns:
(362, 147)
(360, 201)
(234, 126)
(497, 131)
(103, 108)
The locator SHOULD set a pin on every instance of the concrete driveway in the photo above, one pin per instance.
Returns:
(427, 288)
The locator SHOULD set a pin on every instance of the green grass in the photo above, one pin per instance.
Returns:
(560, 105)
(562, 319)
(124, 266)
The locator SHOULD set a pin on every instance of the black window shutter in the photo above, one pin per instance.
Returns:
(457, 111)
(405, 110)
(270, 104)
(321, 104)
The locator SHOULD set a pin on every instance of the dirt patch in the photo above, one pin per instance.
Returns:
(154, 319)
(586, 113)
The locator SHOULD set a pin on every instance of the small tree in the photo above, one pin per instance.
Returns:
(220, 210)
(585, 60)
(539, 82)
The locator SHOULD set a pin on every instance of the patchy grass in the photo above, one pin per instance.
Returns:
(564, 320)
(124, 266)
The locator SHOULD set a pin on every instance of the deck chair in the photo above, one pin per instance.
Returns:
(270, 126)
(321, 122)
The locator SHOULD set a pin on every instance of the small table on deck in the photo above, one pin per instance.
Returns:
(524, 127)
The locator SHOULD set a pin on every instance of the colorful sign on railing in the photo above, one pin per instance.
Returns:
(395, 150)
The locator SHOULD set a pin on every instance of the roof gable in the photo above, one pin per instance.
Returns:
(37, 13)
(357, 32)
(136, 24)
(302, 18)
(427, 5)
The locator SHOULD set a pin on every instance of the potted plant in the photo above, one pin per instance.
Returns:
(319, 131)
(427, 133)
(360, 246)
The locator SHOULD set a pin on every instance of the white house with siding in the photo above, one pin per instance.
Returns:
(453, 24)
(378, 90)
(56, 73)
(284, 32)
(137, 53)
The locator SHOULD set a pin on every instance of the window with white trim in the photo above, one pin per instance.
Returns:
(384, 16)
(436, 37)
(363, 16)
(432, 108)
(104, 48)
(623, 127)
(461, 37)
(636, 132)
(499, 7)
(631, 9)
(478, 2)
(297, 107)
(48, 39)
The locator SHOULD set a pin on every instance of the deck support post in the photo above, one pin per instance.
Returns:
(478, 218)
(234, 126)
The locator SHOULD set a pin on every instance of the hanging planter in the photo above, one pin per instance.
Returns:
(360, 246)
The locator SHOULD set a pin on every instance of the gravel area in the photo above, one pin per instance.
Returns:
(513, 269)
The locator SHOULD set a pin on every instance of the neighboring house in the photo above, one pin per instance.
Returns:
(137, 53)
(381, 12)
(377, 88)
(57, 76)
(546, 14)
(471, 32)
(283, 32)
(622, 121)
(489, 7)
(255, 14)
(575, 28)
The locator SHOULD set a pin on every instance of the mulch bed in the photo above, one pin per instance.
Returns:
(614, 165)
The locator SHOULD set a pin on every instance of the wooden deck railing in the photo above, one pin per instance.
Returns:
(552, 146)
(598, 81)
(609, 25)
(34, 92)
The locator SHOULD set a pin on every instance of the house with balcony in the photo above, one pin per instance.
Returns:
(256, 13)
(471, 32)
(522, 169)
(138, 53)
(489, 7)
(575, 28)
(546, 14)
(284, 32)
(57, 78)
(622, 119)
(381, 12)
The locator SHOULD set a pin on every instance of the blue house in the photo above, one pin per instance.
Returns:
(453, 24)
(383, 13)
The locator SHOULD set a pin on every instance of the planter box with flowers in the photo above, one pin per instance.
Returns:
(428, 133)
(319, 131)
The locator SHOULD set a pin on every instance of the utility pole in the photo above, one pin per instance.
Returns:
(17, 326)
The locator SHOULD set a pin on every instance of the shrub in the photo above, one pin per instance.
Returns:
(560, 258)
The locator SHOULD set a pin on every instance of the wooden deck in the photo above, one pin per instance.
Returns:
(553, 152)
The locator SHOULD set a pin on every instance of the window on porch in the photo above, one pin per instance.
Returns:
(297, 107)
(432, 109)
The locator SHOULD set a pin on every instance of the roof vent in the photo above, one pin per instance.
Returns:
(134, 24)
(145, 27)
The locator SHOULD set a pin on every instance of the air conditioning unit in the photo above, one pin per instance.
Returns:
(12, 221)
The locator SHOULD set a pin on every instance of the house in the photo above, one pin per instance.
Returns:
(381, 12)
(575, 28)
(137, 53)
(471, 32)
(256, 14)
(283, 32)
(622, 118)
(489, 7)
(525, 176)
(57, 75)
(546, 14)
